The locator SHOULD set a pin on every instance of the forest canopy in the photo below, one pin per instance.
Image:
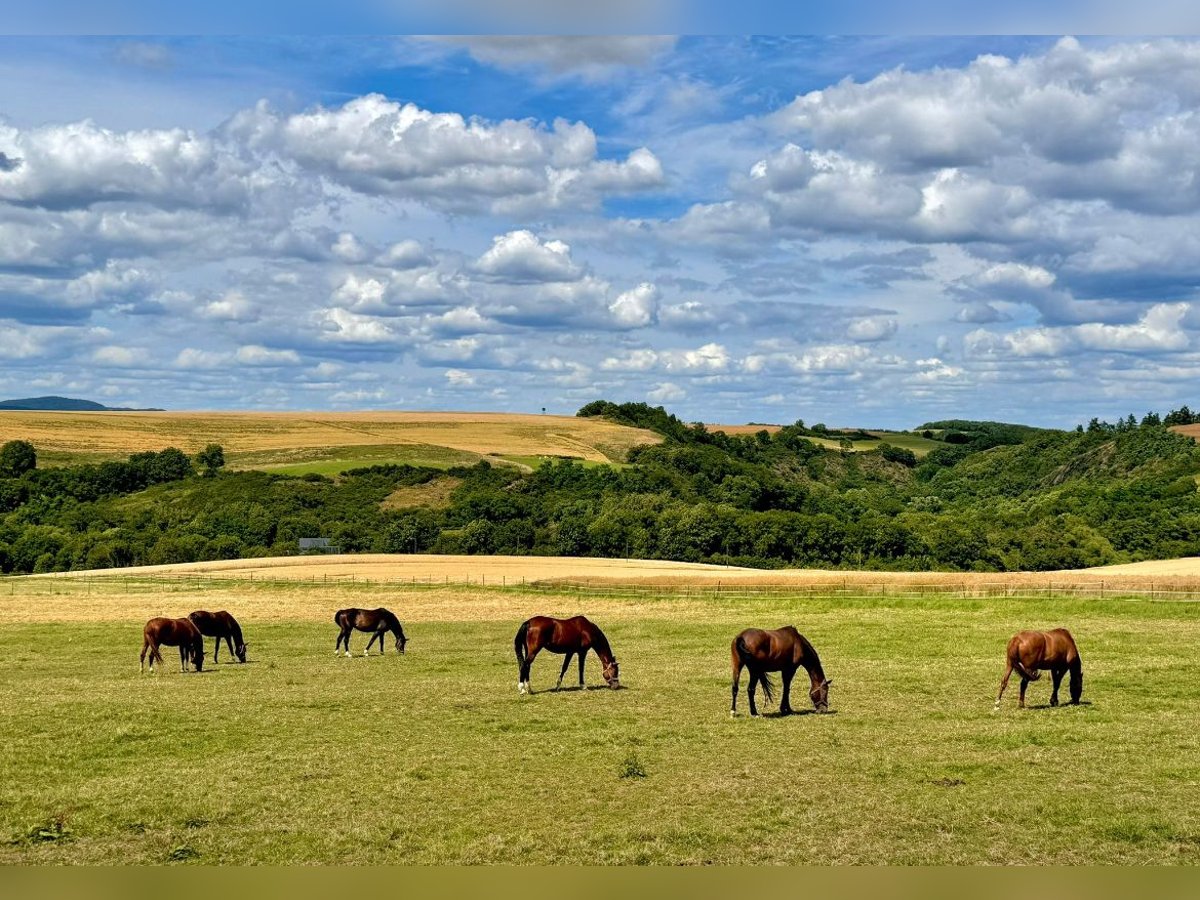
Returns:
(991, 496)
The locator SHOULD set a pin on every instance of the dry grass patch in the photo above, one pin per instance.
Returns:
(431, 495)
(1168, 575)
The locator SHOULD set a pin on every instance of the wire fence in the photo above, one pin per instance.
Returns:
(948, 588)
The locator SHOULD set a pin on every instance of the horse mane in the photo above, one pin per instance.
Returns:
(810, 653)
(600, 642)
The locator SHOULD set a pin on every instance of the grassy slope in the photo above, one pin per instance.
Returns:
(434, 758)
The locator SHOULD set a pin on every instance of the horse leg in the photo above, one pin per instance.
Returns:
(183, 657)
(1076, 681)
(374, 635)
(217, 650)
(525, 667)
(785, 706)
(1003, 684)
(1024, 684)
(1058, 677)
(142, 658)
(582, 656)
(750, 694)
(562, 674)
(737, 677)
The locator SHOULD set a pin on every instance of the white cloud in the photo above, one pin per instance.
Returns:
(636, 308)
(378, 146)
(115, 356)
(1160, 330)
(257, 355)
(233, 306)
(872, 328)
(666, 392)
(522, 257)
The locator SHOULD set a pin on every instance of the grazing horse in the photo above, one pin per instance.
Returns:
(783, 650)
(1029, 651)
(221, 625)
(181, 633)
(569, 636)
(377, 621)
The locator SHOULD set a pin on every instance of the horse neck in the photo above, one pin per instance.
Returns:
(601, 646)
(812, 663)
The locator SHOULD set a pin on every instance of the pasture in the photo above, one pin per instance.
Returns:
(324, 442)
(434, 758)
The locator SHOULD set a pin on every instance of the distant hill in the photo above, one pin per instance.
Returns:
(67, 404)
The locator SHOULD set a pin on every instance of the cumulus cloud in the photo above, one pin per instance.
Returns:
(521, 257)
(872, 328)
(379, 146)
(1159, 330)
(257, 355)
(636, 308)
(116, 356)
(232, 306)
(706, 360)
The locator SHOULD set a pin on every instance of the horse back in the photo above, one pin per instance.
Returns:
(172, 632)
(1043, 649)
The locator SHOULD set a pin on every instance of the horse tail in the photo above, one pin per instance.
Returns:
(1023, 672)
(743, 653)
(519, 642)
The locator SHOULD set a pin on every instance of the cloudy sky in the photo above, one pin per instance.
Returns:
(861, 231)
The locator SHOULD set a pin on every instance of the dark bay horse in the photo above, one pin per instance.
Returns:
(1030, 651)
(377, 621)
(181, 633)
(571, 636)
(783, 650)
(221, 625)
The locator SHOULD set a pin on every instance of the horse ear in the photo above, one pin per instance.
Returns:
(828, 682)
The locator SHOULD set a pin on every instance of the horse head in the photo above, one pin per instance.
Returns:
(198, 654)
(401, 640)
(612, 673)
(820, 695)
(241, 651)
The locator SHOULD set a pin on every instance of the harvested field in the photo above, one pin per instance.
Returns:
(260, 439)
(1168, 575)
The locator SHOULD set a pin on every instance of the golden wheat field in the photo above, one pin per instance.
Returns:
(263, 439)
(1160, 575)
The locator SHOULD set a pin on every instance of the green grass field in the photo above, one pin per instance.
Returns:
(433, 757)
(914, 442)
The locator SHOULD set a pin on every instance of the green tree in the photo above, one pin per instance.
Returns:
(211, 459)
(17, 458)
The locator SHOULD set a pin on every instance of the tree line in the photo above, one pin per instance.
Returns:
(991, 497)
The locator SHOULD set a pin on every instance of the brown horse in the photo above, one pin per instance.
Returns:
(181, 633)
(377, 621)
(221, 625)
(1029, 651)
(783, 650)
(570, 636)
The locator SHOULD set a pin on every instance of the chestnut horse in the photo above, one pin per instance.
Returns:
(221, 625)
(783, 650)
(1029, 651)
(377, 621)
(181, 633)
(571, 636)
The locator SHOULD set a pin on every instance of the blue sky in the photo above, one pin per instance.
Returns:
(859, 230)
